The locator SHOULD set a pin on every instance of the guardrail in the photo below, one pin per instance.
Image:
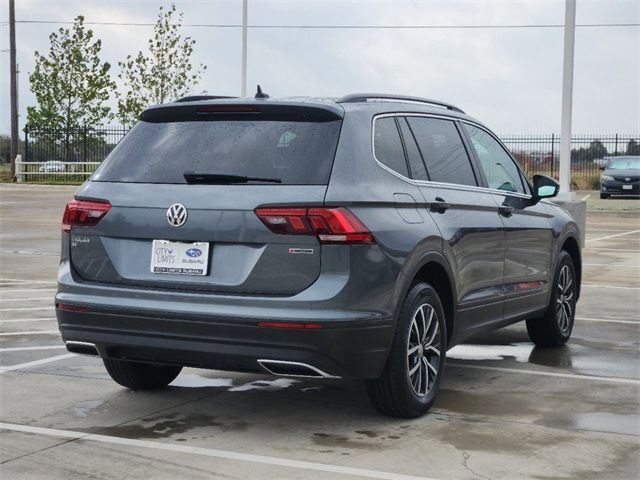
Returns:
(54, 171)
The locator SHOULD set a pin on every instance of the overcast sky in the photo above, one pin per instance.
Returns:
(509, 78)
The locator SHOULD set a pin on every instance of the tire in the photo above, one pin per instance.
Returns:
(140, 376)
(554, 328)
(398, 393)
(604, 196)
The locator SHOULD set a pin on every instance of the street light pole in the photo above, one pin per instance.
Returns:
(567, 100)
(13, 86)
(244, 48)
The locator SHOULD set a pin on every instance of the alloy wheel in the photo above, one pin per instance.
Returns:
(423, 349)
(564, 299)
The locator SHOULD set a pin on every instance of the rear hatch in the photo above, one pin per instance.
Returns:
(183, 186)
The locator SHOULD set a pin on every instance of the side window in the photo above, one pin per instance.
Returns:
(418, 170)
(387, 145)
(499, 168)
(442, 150)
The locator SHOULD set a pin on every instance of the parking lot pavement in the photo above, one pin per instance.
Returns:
(507, 410)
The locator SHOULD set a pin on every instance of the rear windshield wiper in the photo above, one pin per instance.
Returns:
(220, 178)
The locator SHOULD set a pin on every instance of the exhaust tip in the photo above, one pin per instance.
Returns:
(82, 348)
(284, 368)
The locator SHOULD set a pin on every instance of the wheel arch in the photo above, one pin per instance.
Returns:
(434, 269)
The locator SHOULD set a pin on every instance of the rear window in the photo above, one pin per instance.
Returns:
(295, 152)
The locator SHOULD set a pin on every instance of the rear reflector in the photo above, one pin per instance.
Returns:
(83, 214)
(331, 225)
(304, 326)
(71, 308)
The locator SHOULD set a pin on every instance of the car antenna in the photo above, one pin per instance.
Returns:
(261, 94)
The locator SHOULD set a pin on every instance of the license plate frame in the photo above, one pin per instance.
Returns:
(627, 187)
(180, 258)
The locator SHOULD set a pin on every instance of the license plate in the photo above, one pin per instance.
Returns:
(627, 187)
(179, 258)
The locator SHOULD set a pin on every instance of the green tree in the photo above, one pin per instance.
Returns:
(71, 86)
(162, 74)
(633, 147)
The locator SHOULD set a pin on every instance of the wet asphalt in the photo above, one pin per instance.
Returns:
(506, 409)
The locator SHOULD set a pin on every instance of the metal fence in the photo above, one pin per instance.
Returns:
(65, 156)
(70, 156)
(540, 154)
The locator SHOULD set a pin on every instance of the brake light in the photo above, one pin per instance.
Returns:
(83, 214)
(331, 225)
(227, 109)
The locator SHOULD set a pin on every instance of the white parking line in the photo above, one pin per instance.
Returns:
(25, 280)
(612, 236)
(23, 299)
(585, 197)
(632, 381)
(210, 452)
(22, 290)
(19, 309)
(33, 332)
(26, 252)
(606, 320)
(622, 287)
(35, 363)
(600, 249)
(25, 349)
(609, 265)
(18, 320)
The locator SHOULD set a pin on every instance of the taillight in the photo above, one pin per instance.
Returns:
(330, 225)
(83, 214)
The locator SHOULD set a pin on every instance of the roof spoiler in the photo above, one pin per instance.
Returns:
(197, 98)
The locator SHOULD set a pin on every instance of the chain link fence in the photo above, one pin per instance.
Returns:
(71, 156)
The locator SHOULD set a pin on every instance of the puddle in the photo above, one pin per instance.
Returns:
(83, 409)
(519, 351)
(191, 380)
(594, 421)
(342, 441)
(270, 385)
(173, 424)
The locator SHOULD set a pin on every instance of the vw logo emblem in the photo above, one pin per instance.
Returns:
(177, 215)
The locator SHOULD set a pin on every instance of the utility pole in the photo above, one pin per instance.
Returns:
(567, 100)
(14, 85)
(243, 88)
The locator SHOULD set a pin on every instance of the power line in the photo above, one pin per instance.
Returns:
(341, 27)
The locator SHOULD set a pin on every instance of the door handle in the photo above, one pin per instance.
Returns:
(440, 205)
(506, 211)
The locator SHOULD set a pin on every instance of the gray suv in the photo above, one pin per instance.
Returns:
(353, 238)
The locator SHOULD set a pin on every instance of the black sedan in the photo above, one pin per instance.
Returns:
(621, 177)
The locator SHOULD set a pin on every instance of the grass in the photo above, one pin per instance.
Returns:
(5, 173)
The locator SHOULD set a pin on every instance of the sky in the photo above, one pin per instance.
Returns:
(509, 78)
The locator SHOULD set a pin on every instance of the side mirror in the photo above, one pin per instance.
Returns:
(603, 167)
(544, 187)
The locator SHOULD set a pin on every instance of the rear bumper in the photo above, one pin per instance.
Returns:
(221, 331)
(354, 349)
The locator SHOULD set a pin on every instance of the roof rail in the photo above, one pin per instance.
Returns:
(363, 97)
(195, 98)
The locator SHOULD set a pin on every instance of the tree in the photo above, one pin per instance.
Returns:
(163, 74)
(633, 147)
(71, 85)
